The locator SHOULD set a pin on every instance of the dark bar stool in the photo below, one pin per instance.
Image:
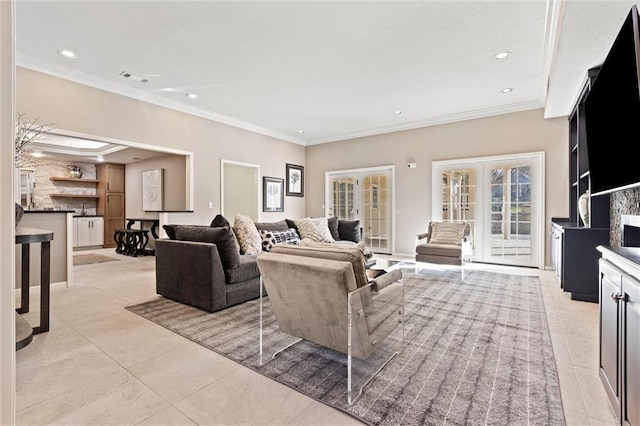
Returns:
(25, 237)
(132, 242)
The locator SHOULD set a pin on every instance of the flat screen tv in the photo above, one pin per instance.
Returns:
(612, 115)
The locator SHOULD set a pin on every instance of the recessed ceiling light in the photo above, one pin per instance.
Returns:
(168, 89)
(67, 53)
(301, 131)
(507, 90)
(502, 55)
(397, 112)
(191, 96)
(37, 154)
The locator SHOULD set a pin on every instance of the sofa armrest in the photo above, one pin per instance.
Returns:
(190, 272)
(422, 236)
(384, 280)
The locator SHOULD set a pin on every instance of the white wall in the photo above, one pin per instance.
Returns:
(77, 108)
(174, 184)
(526, 131)
(7, 230)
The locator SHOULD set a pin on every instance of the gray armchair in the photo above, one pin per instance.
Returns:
(444, 243)
(322, 295)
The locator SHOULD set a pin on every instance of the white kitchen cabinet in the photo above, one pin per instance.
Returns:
(89, 231)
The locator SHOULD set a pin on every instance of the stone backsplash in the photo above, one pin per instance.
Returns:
(44, 169)
(622, 202)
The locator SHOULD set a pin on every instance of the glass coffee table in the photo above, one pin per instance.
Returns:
(376, 267)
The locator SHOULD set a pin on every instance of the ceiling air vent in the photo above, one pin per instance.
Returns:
(133, 77)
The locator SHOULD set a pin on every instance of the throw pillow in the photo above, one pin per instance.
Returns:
(349, 230)
(272, 226)
(219, 220)
(170, 229)
(316, 229)
(271, 238)
(332, 222)
(447, 233)
(292, 224)
(247, 234)
(222, 237)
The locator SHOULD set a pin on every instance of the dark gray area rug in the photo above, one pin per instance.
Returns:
(476, 352)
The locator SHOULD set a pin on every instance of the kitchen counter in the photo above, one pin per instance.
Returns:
(87, 215)
(60, 222)
(49, 211)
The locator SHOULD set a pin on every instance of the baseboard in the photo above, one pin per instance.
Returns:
(59, 284)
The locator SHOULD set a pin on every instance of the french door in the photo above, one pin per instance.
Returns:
(365, 195)
(501, 197)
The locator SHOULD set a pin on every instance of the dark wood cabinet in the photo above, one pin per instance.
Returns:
(619, 278)
(574, 255)
(579, 180)
(577, 258)
(111, 201)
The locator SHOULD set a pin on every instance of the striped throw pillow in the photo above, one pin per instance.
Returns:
(315, 229)
(447, 232)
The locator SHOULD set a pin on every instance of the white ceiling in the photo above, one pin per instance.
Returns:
(335, 70)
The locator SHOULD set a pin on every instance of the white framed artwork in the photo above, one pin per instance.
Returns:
(152, 187)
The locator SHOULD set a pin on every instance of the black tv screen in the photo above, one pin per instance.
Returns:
(612, 115)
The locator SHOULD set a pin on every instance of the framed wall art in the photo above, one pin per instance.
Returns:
(272, 194)
(295, 180)
(152, 187)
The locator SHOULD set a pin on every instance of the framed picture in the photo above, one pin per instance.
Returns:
(152, 190)
(272, 194)
(295, 180)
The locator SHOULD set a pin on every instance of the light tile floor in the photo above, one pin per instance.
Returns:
(101, 364)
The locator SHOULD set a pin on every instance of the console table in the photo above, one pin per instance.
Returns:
(25, 237)
(154, 224)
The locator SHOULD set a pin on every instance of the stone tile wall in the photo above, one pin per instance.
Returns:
(44, 169)
(622, 202)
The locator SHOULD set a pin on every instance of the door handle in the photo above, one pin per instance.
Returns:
(616, 296)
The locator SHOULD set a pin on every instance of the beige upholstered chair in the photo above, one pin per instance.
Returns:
(447, 243)
(322, 295)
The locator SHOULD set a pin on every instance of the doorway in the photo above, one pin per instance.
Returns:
(240, 192)
(502, 199)
(365, 195)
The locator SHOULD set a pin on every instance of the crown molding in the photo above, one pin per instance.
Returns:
(55, 70)
(444, 119)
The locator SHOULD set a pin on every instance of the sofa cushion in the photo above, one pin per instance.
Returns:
(271, 238)
(316, 229)
(351, 255)
(219, 221)
(222, 237)
(170, 229)
(272, 226)
(247, 234)
(349, 230)
(447, 232)
(332, 222)
(448, 250)
(247, 269)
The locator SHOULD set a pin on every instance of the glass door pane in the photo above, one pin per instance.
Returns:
(501, 199)
(375, 212)
(458, 195)
(511, 214)
(343, 193)
(365, 196)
